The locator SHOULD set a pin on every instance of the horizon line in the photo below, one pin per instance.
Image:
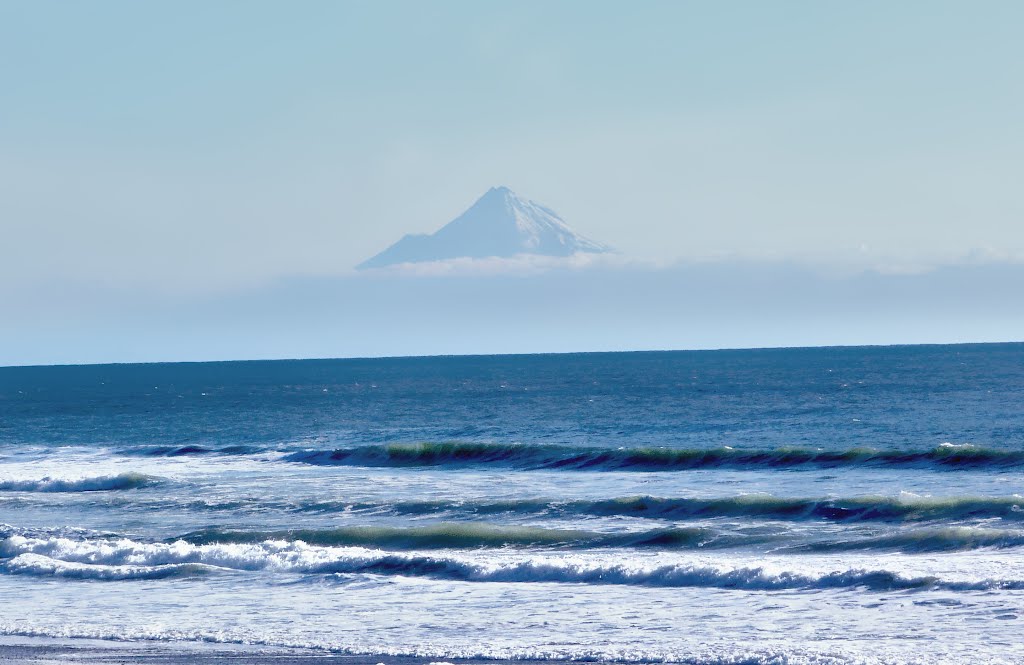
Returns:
(514, 354)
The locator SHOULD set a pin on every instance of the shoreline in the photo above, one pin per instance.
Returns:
(18, 650)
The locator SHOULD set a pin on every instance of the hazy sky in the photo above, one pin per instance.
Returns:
(202, 145)
(196, 180)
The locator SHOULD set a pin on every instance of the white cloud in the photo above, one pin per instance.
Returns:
(521, 264)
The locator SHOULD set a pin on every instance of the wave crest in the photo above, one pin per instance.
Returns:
(568, 458)
(463, 535)
(120, 481)
(43, 566)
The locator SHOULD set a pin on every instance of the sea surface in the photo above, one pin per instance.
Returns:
(834, 505)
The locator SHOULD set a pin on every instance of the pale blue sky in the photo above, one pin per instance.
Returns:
(191, 149)
(226, 142)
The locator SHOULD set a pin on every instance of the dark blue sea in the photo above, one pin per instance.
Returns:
(830, 505)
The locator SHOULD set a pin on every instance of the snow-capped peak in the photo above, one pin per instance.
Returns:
(499, 224)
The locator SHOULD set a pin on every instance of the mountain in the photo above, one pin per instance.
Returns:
(499, 224)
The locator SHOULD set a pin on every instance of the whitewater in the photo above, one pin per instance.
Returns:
(845, 505)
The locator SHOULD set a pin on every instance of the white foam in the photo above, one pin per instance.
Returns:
(36, 564)
(764, 652)
(114, 559)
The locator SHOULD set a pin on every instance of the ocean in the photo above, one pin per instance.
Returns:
(828, 505)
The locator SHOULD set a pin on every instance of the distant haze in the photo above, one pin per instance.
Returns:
(156, 158)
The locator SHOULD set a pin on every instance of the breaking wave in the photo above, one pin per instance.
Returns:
(464, 535)
(43, 566)
(125, 560)
(553, 457)
(947, 539)
(120, 481)
(904, 508)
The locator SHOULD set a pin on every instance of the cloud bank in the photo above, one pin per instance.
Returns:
(522, 305)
